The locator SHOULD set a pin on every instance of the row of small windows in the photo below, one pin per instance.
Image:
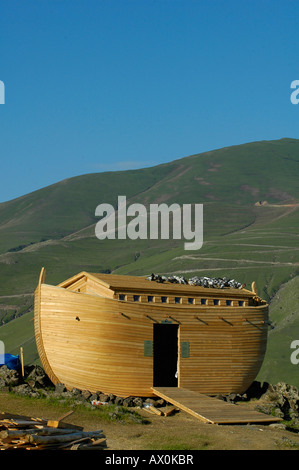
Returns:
(178, 300)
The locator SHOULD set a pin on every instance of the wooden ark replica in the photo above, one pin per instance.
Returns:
(126, 334)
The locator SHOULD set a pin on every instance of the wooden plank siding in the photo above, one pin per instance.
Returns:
(89, 339)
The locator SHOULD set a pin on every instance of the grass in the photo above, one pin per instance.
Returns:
(174, 442)
(284, 314)
(58, 406)
(20, 332)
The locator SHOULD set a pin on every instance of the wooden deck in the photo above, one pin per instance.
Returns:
(209, 409)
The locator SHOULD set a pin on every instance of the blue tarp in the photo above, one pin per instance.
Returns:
(12, 362)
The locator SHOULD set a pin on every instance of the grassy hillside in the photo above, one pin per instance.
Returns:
(20, 332)
(236, 176)
(68, 206)
(284, 315)
(250, 198)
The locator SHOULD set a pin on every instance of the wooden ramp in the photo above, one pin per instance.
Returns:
(209, 409)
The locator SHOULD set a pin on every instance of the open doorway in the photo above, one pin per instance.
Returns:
(165, 355)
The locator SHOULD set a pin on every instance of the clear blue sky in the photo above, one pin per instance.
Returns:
(97, 85)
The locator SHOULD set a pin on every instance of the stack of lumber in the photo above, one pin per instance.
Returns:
(27, 433)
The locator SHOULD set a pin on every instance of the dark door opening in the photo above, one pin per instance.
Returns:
(165, 355)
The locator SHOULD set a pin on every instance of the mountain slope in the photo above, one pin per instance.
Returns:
(68, 206)
(239, 175)
(250, 199)
(55, 226)
(284, 315)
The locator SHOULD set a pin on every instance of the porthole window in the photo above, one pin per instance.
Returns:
(241, 303)
(190, 300)
(121, 297)
(203, 301)
(177, 300)
(136, 298)
(164, 300)
(229, 302)
(150, 298)
(216, 301)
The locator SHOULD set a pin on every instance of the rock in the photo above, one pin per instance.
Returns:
(24, 390)
(3, 370)
(36, 371)
(221, 397)
(93, 397)
(199, 281)
(60, 388)
(2, 383)
(138, 402)
(31, 383)
(294, 417)
(103, 397)
(76, 392)
(67, 394)
(285, 397)
(277, 426)
(13, 381)
(128, 402)
(278, 413)
(80, 399)
(231, 398)
(282, 400)
(11, 377)
(266, 408)
(150, 401)
(111, 398)
(38, 378)
(119, 401)
(85, 394)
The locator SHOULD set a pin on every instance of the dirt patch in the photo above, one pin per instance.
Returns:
(214, 166)
(179, 174)
(253, 191)
(202, 181)
(182, 431)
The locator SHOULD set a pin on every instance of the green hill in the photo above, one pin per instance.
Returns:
(250, 199)
(284, 315)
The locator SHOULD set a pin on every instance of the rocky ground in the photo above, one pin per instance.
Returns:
(281, 400)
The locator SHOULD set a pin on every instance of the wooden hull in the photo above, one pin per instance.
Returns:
(101, 344)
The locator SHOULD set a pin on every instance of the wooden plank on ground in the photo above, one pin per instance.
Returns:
(210, 409)
(57, 422)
